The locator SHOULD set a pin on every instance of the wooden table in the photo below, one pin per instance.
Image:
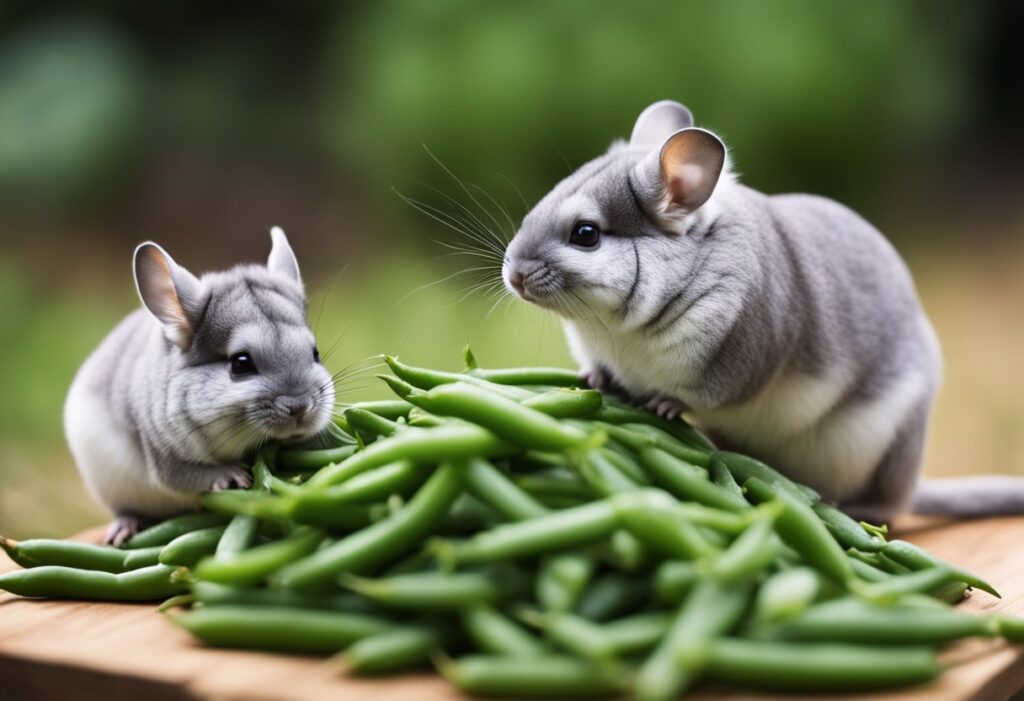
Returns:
(86, 651)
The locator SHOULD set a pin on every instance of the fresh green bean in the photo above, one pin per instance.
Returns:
(54, 581)
(649, 515)
(845, 530)
(566, 403)
(555, 484)
(399, 477)
(163, 533)
(613, 594)
(239, 535)
(528, 376)
(529, 677)
(384, 540)
(256, 564)
(920, 582)
(492, 487)
(424, 446)
(614, 412)
(686, 481)
(392, 409)
(369, 422)
(721, 476)
(187, 549)
(625, 461)
(744, 468)
(673, 580)
(214, 594)
(561, 580)
(142, 557)
(915, 558)
(802, 530)
(602, 474)
(494, 633)
(427, 591)
(817, 667)
(282, 629)
(313, 459)
(576, 634)
(663, 440)
(511, 421)
(67, 553)
(392, 650)
(786, 594)
(751, 553)
(426, 379)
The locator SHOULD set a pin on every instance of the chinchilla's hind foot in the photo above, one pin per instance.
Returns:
(122, 528)
(666, 407)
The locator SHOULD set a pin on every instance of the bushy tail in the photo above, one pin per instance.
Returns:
(969, 497)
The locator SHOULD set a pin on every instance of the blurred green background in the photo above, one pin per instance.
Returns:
(200, 125)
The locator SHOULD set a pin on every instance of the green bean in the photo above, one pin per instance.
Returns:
(142, 557)
(801, 529)
(817, 667)
(514, 423)
(721, 476)
(392, 409)
(392, 650)
(492, 487)
(256, 564)
(751, 553)
(371, 423)
(710, 610)
(398, 477)
(313, 459)
(575, 634)
(214, 594)
(468, 515)
(625, 461)
(163, 533)
(528, 376)
(855, 621)
(786, 594)
(282, 629)
(602, 474)
(915, 558)
(424, 446)
(920, 582)
(847, 532)
(649, 515)
(550, 532)
(728, 522)
(54, 581)
(555, 484)
(427, 591)
(68, 553)
(311, 511)
(617, 413)
(561, 580)
(238, 536)
(743, 468)
(529, 677)
(426, 379)
(187, 549)
(663, 440)
(686, 481)
(383, 541)
(613, 594)
(566, 403)
(494, 633)
(673, 580)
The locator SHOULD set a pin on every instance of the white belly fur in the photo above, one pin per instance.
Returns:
(794, 424)
(112, 466)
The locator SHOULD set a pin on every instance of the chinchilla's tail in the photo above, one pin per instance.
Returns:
(969, 497)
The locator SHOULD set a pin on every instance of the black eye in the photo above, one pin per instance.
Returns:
(585, 234)
(316, 354)
(242, 364)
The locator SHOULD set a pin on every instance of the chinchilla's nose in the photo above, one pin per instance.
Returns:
(297, 407)
(515, 279)
(520, 271)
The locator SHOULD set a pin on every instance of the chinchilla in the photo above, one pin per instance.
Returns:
(182, 389)
(786, 325)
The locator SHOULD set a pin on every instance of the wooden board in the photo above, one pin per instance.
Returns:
(86, 651)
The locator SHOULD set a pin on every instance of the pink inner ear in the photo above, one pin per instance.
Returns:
(686, 185)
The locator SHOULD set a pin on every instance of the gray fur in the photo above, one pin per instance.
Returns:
(157, 400)
(786, 324)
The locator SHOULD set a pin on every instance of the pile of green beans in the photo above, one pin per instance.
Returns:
(528, 537)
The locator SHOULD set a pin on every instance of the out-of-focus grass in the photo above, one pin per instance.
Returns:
(974, 297)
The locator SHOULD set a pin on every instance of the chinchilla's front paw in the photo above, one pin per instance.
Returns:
(666, 407)
(234, 477)
(123, 527)
(595, 378)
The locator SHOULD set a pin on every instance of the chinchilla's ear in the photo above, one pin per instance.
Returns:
(168, 291)
(282, 260)
(682, 174)
(658, 122)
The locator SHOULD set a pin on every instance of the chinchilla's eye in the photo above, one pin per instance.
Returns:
(585, 234)
(316, 354)
(242, 364)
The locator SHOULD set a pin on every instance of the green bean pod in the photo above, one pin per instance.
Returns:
(427, 591)
(426, 379)
(802, 530)
(915, 558)
(142, 557)
(818, 667)
(214, 594)
(894, 588)
(751, 553)
(239, 535)
(547, 676)
(67, 553)
(511, 421)
(529, 376)
(424, 446)
(53, 581)
(488, 484)
(786, 594)
(187, 549)
(613, 594)
(392, 650)
(166, 531)
(744, 468)
(279, 629)
(614, 412)
(383, 541)
(313, 459)
(369, 422)
(601, 473)
(258, 563)
(721, 476)
(649, 515)
(398, 477)
(711, 610)
(663, 440)
(673, 580)
(566, 403)
(391, 409)
(561, 580)
(625, 461)
(576, 634)
(847, 532)
(494, 633)
(686, 481)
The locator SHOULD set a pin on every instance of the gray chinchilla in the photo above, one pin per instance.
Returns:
(786, 325)
(183, 388)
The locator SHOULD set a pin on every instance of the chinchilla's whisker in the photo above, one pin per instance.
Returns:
(481, 228)
(502, 210)
(526, 205)
(461, 184)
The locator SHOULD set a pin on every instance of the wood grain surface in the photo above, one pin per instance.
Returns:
(107, 652)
